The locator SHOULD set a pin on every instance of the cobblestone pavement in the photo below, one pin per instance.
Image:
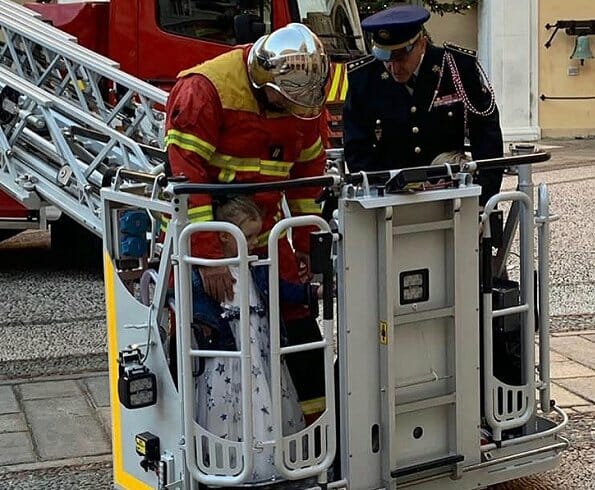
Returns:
(54, 409)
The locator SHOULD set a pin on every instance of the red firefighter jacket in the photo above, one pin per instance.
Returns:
(216, 132)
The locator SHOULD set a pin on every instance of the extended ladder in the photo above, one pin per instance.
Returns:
(68, 118)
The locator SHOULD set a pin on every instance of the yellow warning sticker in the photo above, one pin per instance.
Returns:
(383, 332)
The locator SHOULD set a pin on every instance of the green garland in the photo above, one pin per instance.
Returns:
(442, 8)
(369, 7)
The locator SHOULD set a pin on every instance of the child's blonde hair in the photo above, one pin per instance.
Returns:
(234, 207)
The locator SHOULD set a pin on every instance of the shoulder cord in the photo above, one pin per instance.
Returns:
(460, 89)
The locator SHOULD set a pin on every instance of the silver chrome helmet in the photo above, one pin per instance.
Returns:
(291, 61)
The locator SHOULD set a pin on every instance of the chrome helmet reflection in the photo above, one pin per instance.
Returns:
(291, 61)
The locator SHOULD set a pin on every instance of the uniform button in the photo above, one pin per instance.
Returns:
(415, 130)
(417, 150)
(449, 113)
(413, 109)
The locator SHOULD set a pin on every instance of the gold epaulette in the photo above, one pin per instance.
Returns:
(359, 63)
(460, 49)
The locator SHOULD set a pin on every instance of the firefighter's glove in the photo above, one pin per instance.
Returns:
(218, 283)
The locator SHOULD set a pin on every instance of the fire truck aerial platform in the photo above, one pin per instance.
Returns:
(431, 377)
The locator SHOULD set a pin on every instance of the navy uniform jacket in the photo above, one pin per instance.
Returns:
(386, 127)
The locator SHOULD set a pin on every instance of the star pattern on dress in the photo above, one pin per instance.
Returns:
(220, 391)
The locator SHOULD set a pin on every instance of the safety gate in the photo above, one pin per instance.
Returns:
(216, 461)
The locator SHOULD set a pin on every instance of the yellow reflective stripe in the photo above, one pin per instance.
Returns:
(314, 405)
(195, 215)
(311, 152)
(275, 168)
(189, 142)
(227, 175)
(304, 206)
(229, 165)
(263, 238)
(229, 162)
(337, 75)
(164, 223)
(200, 213)
(344, 88)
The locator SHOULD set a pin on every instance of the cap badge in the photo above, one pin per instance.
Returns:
(383, 34)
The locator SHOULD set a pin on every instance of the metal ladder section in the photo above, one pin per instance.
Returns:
(211, 459)
(424, 391)
(512, 406)
(68, 117)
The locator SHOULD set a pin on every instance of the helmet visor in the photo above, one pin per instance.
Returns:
(292, 62)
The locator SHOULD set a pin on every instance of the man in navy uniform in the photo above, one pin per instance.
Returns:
(410, 101)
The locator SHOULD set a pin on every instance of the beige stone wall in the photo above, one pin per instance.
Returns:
(459, 29)
(565, 117)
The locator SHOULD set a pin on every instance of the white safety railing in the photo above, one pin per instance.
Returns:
(211, 459)
(310, 451)
(216, 461)
(510, 406)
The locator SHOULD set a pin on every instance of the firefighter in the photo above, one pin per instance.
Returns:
(410, 100)
(252, 115)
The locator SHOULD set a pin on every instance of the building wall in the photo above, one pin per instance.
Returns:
(559, 118)
(459, 29)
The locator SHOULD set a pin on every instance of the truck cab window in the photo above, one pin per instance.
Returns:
(335, 22)
(226, 21)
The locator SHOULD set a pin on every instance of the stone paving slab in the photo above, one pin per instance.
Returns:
(585, 387)
(554, 356)
(65, 428)
(8, 401)
(565, 398)
(12, 422)
(15, 448)
(582, 333)
(584, 409)
(570, 369)
(576, 348)
(99, 390)
(106, 417)
(49, 389)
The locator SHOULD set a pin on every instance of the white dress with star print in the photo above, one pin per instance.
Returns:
(219, 392)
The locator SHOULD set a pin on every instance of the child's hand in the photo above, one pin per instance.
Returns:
(320, 291)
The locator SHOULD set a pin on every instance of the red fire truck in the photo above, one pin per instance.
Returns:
(155, 39)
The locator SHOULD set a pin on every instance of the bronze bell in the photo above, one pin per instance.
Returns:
(582, 49)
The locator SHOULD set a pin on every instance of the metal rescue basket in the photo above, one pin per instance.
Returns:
(193, 453)
(421, 401)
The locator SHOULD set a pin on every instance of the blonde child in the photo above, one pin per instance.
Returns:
(217, 327)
